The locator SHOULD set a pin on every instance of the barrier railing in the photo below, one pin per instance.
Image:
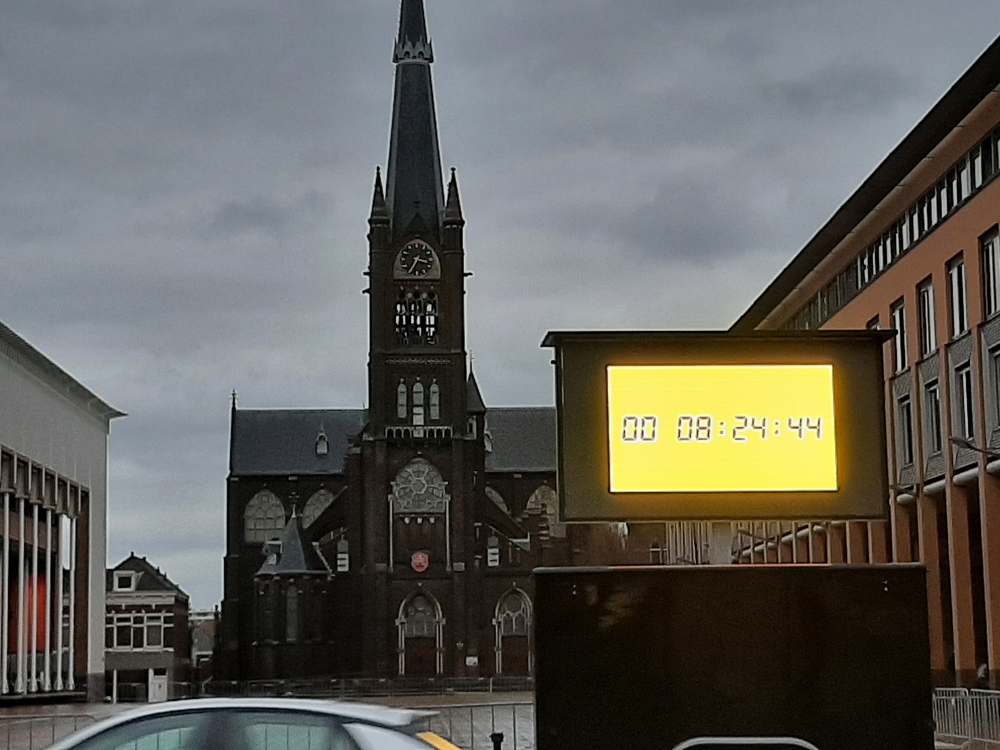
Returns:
(471, 726)
(333, 688)
(969, 719)
(39, 732)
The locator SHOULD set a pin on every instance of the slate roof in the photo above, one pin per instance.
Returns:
(283, 441)
(523, 437)
(152, 579)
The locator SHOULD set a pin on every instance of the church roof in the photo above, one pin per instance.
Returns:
(283, 441)
(523, 437)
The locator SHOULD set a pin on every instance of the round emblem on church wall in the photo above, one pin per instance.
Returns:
(420, 561)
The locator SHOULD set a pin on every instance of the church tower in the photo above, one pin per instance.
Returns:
(420, 451)
(417, 360)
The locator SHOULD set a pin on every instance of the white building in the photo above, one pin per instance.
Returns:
(53, 527)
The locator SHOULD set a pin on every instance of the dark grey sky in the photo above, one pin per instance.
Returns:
(184, 187)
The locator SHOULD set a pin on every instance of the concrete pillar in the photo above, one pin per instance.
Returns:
(59, 603)
(989, 514)
(47, 677)
(33, 671)
(961, 584)
(71, 681)
(4, 594)
(21, 681)
(930, 555)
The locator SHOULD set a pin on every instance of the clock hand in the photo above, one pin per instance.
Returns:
(413, 265)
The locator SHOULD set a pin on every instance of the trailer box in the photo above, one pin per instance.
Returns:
(835, 657)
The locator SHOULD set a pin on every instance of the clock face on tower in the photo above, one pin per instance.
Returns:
(417, 260)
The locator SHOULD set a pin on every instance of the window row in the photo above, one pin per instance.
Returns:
(416, 317)
(963, 423)
(957, 300)
(138, 631)
(410, 402)
(961, 182)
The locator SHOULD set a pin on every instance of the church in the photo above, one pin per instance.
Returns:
(398, 540)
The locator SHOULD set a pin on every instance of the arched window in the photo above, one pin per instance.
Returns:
(264, 518)
(512, 621)
(435, 402)
(418, 403)
(514, 614)
(314, 506)
(419, 488)
(416, 316)
(400, 319)
(543, 502)
(401, 399)
(430, 315)
(421, 636)
(419, 618)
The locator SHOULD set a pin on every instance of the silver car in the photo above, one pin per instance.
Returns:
(259, 724)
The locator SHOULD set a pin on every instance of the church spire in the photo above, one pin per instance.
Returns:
(379, 214)
(413, 177)
(453, 208)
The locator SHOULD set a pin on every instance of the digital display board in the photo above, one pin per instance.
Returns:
(671, 428)
(707, 425)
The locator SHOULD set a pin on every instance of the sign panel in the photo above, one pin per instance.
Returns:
(835, 657)
(712, 425)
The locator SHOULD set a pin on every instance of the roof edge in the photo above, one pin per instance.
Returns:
(19, 351)
(982, 77)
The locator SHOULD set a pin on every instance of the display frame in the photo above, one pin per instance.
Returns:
(583, 464)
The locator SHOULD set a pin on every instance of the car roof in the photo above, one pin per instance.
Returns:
(398, 718)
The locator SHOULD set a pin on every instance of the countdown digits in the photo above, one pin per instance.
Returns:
(639, 429)
(697, 428)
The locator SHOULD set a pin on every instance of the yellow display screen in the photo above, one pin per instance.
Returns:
(721, 428)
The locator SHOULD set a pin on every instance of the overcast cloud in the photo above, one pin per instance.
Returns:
(184, 186)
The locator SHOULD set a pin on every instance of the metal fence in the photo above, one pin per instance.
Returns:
(339, 688)
(470, 726)
(969, 719)
(37, 732)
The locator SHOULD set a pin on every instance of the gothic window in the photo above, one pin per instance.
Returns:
(419, 618)
(416, 317)
(401, 398)
(418, 403)
(513, 614)
(400, 318)
(430, 313)
(543, 502)
(435, 399)
(264, 517)
(315, 506)
(419, 488)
